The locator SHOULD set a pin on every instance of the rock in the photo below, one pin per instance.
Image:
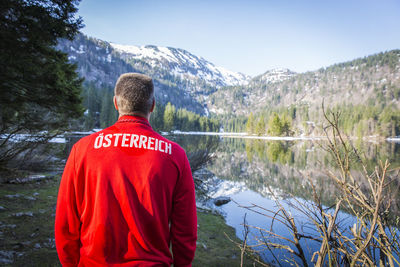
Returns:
(6, 257)
(219, 201)
(202, 207)
(201, 244)
(13, 196)
(26, 243)
(19, 214)
(11, 226)
(2, 208)
(51, 243)
(20, 254)
(30, 179)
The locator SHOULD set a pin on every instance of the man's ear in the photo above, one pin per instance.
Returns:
(154, 104)
(115, 103)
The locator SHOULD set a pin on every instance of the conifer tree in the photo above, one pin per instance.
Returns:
(169, 117)
(39, 89)
(285, 122)
(157, 117)
(108, 113)
(260, 127)
(275, 125)
(250, 124)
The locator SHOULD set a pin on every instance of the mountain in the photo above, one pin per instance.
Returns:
(95, 59)
(366, 90)
(272, 76)
(179, 63)
(239, 99)
(179, 77)
(373, 80)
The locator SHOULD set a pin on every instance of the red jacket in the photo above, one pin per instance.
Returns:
(126, 194)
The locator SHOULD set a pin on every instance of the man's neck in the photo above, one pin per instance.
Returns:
(137, 114)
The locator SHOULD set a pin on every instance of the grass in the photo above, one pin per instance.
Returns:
(27, 229)
(213, 247)
(27, 223)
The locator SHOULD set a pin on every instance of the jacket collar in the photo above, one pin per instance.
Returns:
(137, 119)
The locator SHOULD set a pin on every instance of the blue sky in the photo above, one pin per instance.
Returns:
(251, 36)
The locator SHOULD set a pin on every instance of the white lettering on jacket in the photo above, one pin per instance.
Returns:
(132, 140)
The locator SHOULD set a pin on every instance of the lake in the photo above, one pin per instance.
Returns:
(272, 173)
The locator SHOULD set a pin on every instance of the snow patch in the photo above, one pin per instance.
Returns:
(276, 75)
(183, 64)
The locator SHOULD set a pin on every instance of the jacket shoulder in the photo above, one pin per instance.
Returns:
(89, 139)
(175, 145)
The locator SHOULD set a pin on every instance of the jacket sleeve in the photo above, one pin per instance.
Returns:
(67, 224)
(184, 219)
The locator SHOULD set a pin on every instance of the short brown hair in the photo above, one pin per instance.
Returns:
(134, 93)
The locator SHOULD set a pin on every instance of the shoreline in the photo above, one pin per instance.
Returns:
(244, 135)
(217, 242)
(63, 138)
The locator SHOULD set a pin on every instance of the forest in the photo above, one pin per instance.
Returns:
(100, 113)
(355, 121)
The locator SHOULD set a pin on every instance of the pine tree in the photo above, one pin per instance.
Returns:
(39, 89)
(203, 121)
(286, 125)
(260, 127)
(250, 124)
(157, 117)
(108, 113)
(169, 117)
(275, 125)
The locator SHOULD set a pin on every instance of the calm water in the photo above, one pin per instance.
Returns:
(265, 173)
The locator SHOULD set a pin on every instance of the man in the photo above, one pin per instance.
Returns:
(127, 193)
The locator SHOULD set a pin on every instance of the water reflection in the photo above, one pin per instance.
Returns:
(291, 166)
(259, 172)
(277, 151)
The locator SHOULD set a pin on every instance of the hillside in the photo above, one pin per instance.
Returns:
(164, 62)
(365, 89)
(180, 77)
(370, 80)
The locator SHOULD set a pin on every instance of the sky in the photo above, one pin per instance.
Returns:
(251, 36)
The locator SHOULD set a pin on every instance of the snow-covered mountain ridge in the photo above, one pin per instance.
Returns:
(181, 63)
(180, 77)
(274, 76)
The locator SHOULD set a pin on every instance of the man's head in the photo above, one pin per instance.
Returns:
(134, 94)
